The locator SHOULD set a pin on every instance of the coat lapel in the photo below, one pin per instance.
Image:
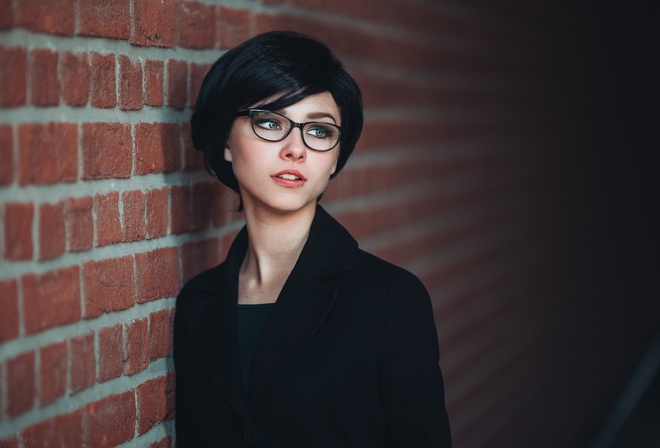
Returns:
(304, 302)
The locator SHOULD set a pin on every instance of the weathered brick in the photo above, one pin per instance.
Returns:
(137, 347)
(111, 353)
(21, 384)
(192, 159)
(75, 72)
(154, 23)
(108, 227)
(182, 208)
(80, 223)
(51, 299)
(18, 219)
(63, 430)
(9, 305)
(157, 148)
(233, 27)
(52, 372)
(58, 164)
(134, 215)
(155, 402)
(106, 150)
(6, 155)
(154, 87)
(177, 83)
(197, 74)
(105, 18)
(13, 79)
(44, 80)
(52, 231)
(53, 16)
(103, 81)
(7, 18)
(109, 285)
(197, 256)
(157, 274)
(111, 420)
(130, 84)
(196, 25)
(160, 335)
(163, 443)
(157, 212)
(82, 363)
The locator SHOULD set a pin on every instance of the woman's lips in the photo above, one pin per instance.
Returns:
(289, 178)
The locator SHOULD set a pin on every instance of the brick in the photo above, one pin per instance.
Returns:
(111, 420)
(137, 347)
(192, 159)
(134, 228)
(153, 83)
(18, 219)
(197, 256)
(196, 25)
(21, 384)
(160, 335)
(44, 80)
(107, 150)
(163, 443)
(6, 155)
(197, 74)
(233, 27)
(13, 76)
(177, 83)
(182, 209)
(60, 431)
(80, 223)
(53, 16)
(155, 402)
(10, 441)
(103, 81)
(51, 299)
(58, 164)
(9, 305)
(130, 84)
(75, 70)
(157, 148)
(52, 373)
(82, 363)
(105, 18)
(154, 23)
(156, 212)
(7, 17)
(111, 353)
(108, 227)
(52, 231)
(157, 274)
(109, 285)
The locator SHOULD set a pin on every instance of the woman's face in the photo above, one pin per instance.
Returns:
(284, 176)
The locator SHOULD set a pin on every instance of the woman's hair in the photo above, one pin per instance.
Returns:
(283, 68)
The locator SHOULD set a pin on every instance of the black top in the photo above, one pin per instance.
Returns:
(251, 320)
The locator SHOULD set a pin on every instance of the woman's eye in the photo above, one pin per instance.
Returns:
(269, 124)
(319, 132)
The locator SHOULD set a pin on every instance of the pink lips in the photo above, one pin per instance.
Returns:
(289, 178)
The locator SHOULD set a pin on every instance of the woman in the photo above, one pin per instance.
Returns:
(299, 338)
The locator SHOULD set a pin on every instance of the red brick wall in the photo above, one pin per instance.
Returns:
(469, 173)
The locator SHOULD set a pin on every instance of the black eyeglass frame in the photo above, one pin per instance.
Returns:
(250, 113)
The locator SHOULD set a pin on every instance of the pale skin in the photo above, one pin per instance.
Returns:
(278, 209)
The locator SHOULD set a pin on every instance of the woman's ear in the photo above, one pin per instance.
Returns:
(228, 153)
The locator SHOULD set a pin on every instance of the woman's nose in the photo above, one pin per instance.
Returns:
(293, 146)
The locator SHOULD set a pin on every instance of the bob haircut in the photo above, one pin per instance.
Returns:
(283, 68)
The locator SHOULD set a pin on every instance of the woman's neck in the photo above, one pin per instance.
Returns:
(275, 243)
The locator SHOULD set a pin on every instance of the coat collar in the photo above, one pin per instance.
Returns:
(302, 306)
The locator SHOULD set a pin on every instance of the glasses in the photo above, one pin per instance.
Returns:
(274, 127)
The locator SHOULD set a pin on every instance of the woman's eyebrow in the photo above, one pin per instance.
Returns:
(317, 115)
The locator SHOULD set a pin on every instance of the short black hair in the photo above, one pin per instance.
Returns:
(283, 65)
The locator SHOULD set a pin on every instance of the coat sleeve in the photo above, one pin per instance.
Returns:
(410, 381)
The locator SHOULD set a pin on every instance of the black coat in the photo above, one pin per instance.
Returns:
(348, 357)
